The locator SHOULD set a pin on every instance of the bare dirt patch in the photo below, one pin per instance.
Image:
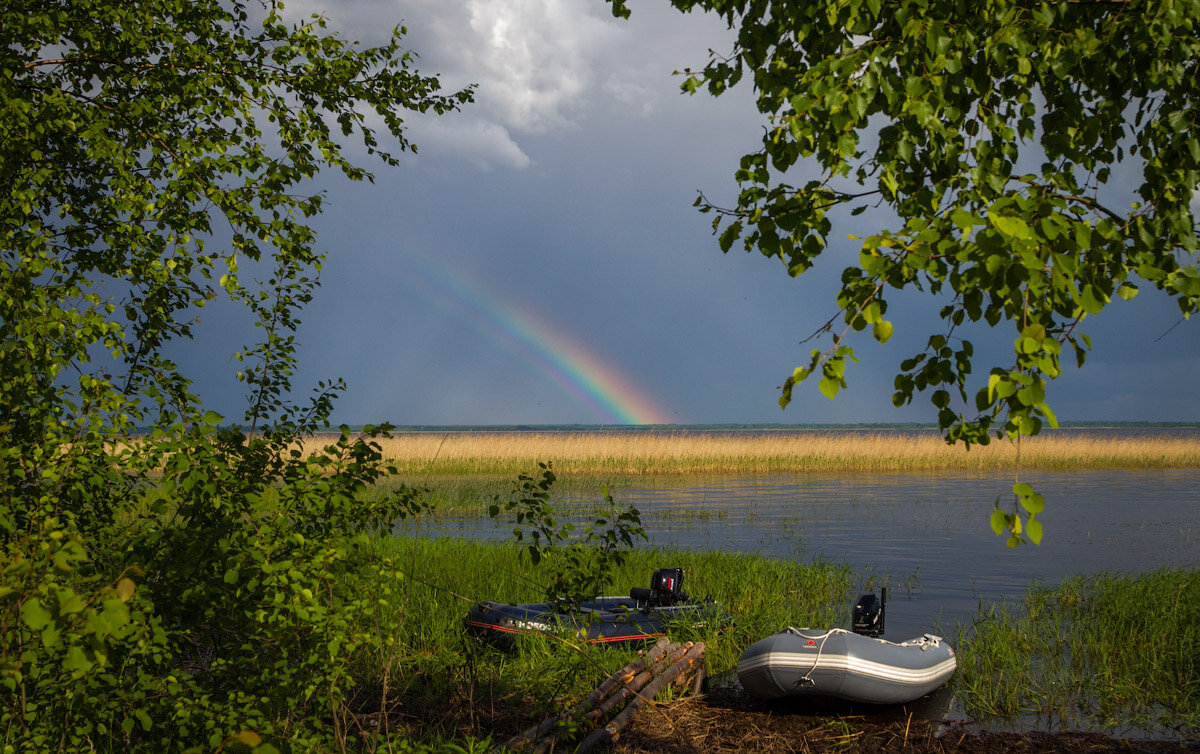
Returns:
(725, 720)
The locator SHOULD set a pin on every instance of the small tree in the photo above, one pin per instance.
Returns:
(994, 132)
(582, 562)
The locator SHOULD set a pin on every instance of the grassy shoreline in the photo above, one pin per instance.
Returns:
(617, 454)
(1104, 651)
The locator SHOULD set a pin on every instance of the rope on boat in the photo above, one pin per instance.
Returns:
(640, 680)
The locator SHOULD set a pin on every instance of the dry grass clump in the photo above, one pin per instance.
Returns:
(668, 453)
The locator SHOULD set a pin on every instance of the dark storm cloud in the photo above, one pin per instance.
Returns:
(566, 192)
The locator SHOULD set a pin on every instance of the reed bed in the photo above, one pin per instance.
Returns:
(1102, 651)
(609, 454)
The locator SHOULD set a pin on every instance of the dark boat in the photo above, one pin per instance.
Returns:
(644, 615)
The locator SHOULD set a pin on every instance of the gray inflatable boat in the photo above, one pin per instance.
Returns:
(846, 665)
(854, 665)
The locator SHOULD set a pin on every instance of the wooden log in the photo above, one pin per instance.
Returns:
(699, 679)
(660, 649)
(610, 732)
(618, 680)
(675, 655)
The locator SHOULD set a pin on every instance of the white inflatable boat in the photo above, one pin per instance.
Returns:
(853, 665)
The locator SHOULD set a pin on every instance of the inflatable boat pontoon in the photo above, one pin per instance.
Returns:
(853, 665)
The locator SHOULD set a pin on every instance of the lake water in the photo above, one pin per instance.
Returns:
(927, 535)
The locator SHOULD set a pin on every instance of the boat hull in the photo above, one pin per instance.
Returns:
(838, 663)
(604, 620)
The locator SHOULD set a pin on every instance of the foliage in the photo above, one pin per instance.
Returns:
(1039, 158)
(583, 566)
(177, 586)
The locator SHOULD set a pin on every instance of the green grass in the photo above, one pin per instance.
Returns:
(765, 594)
(1105, 651)
(452, 686)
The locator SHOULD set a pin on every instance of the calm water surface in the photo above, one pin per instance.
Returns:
(927, 535)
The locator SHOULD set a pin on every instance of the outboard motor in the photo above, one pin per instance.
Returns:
(666, 588)
(869, 614)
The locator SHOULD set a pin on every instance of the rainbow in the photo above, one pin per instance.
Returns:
(568, 363)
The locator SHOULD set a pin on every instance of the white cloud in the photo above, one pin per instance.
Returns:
(537, 59)
(485, 144)
(536, 63)
(541, 66)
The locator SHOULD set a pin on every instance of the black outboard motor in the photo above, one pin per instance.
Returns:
(666, 588)
(869, 614)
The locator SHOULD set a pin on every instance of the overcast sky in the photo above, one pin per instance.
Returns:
(540, 261)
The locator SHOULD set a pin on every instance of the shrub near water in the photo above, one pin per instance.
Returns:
(1104, 650)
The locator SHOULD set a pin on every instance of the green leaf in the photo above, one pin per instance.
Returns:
(882, 331)
(993, 382)
(1051, 417)
(1090, 301)
(76, 660)
(1033, 530)
(1031, 395)
(963, 219)
(1004, 388)
(69, 602)
(248, 738)
(34, 615)
(829, 387)
(1034, 503)
(1011, 226)
(125, 589)
(998, 521)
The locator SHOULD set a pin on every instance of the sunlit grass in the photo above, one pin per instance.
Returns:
(624, 454)
(1101, 651)
(436, 672)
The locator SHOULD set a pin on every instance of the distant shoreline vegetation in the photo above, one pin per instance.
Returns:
(761, 427)
(612, 452)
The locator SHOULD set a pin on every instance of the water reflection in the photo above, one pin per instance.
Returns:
(926, 534)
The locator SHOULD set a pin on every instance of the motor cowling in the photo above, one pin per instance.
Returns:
(666, 588)
(868, 615)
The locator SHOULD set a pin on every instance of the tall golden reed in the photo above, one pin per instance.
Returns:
(667, 453)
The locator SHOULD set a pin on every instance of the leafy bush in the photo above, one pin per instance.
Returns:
(583, 565)
(168, 580)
